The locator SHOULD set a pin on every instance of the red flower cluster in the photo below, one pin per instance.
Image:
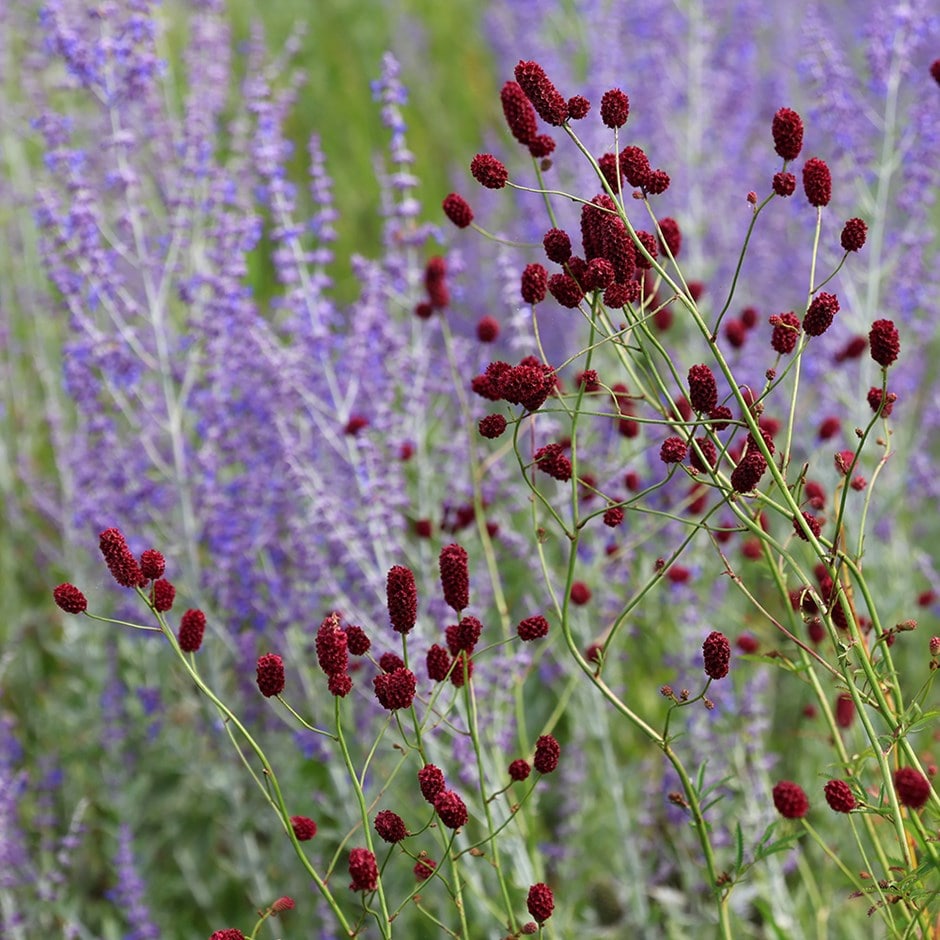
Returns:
(815, 526)
(547, 754)
(270, 674)
(604, 235)
(390, 826)
(527, 384)
(451, 809)
(191, 631)
(438, 663)
(912, 787)
(152, 564)
(435, 284)
(784, 184)
(162, 595)
(401, 594)
(716, 651)
(120, 559)
(534, 283)
(885, 342)
(357, 640)
(540, 902)
(70, 599)
(839, 796)
(787, 131)
(853, 234)
(492, 426)
(786, 332)
(550, 459)
(488, 171)
(532, 628)
(332, 644)
(395, 689)
(790, 799)
(615, 108)
(821, 312)
(670, 236)
(519, 113)
(566, 290)
(455, 578)
(817, 182)
(703, 390)
(746, 475)
(431, 781)
(557, 244)
(457, 209)
(363, 870)
(519, 770)
(487, 329)
(674, 450)
(304, 828)
(545, 97)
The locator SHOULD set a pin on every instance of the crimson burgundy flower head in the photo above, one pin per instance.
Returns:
(455, 578)
(70, 599)
(540, 902)
(120, 559)
(363, 870)
(790, 799)
(716, 651)
(488, 171)
(787, 131)
(817, 182)
(547, 754)
(402, 598)
(192, 629)
(912, 787)
(458, 210)
(270, 674)
(615, 108)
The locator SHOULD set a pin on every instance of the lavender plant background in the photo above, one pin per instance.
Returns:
(180, 360)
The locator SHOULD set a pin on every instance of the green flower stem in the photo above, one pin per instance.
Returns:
(384, 921)
(269, 774)
(473, 722)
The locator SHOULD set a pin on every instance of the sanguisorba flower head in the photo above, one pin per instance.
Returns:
(70, 599)
(191, 631)
(390, 826)
(716, 651)
(519, 113)
(703, 391)
(912, 787)
(540, 902)
(152, 564)
(363, 870)
(120, 559)
(332, 644)
(615, 108)
(270, 674)
(532, 628)
(790, 799)
(488, 171)
(547, 100)
(839, 796)
(820, 314)
(534, 284)
(458, 210)
(395, 689)
(451, 809)
(402, 597)
(431, 781)
(885, 342)
(455, 578)
(304, 828)
(787, 131)
(853, 235)
(547, 754)
(817, 182)
(786, 332)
